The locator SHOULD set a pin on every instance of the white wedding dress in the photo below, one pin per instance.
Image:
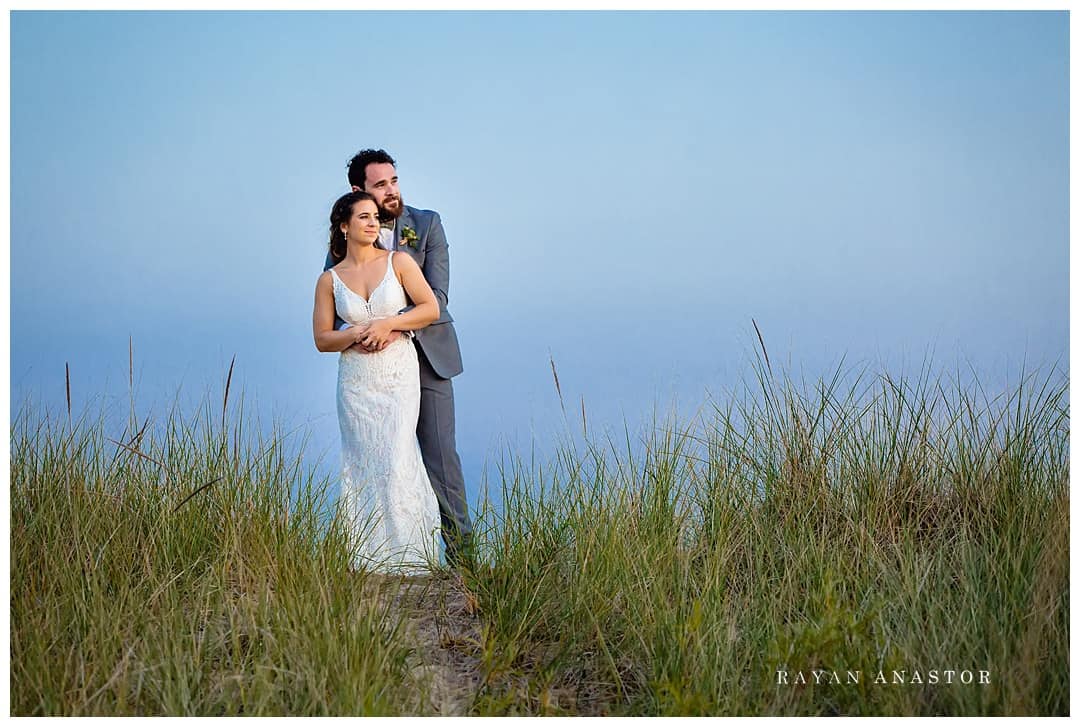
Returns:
(386, 496)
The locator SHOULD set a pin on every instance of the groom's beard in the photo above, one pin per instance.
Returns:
(391, 208)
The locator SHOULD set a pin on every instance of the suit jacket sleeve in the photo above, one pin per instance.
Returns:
(437, 262)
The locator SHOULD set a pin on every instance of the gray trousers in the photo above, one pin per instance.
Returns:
(435, 430)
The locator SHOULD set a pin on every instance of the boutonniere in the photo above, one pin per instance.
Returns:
(409, 237)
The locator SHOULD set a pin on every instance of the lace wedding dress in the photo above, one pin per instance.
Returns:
(385, 492)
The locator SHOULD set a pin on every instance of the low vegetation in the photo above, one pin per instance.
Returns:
(741, 563)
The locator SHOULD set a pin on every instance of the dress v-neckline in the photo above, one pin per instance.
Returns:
(373, 290)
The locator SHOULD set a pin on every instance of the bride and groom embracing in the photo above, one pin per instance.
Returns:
(381, 301)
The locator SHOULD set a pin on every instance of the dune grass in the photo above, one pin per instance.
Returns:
(180, 570)
(875, 525)
(856, 524)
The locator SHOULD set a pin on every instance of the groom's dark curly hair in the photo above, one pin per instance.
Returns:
(359, 163)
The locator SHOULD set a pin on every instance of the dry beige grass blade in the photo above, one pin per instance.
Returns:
(136, 452)
(136, 439)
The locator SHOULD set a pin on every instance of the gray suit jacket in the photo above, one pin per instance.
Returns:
(438, 341)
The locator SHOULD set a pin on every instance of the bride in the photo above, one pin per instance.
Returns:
(387, 499)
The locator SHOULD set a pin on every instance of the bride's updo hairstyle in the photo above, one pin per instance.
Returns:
(341, 214)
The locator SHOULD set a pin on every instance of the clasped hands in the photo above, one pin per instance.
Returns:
(375, 335)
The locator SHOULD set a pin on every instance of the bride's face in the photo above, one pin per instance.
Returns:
(364, 224)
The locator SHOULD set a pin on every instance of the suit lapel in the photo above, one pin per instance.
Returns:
(402, 222)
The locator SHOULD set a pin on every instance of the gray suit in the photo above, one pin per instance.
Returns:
(440, 360)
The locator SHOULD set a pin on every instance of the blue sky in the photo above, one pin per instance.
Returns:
(622, 191)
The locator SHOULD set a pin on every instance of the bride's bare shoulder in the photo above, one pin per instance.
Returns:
(404, 261)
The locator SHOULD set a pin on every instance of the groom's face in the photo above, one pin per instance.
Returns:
(381, 182)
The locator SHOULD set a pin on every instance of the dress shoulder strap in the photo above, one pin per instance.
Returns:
(389, 264)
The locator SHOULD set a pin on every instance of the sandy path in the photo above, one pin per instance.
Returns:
(442, 625)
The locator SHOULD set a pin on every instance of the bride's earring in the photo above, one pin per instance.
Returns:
(346, 236)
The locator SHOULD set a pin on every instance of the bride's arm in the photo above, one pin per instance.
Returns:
(424, 312)
(326, 338)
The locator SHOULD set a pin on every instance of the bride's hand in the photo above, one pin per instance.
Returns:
(359, 334)
(361, 348)
(376, 335)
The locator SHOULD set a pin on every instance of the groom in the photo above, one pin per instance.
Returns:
(419, 234)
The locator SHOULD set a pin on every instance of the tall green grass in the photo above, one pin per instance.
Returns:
(861, 522)
(185, 568)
